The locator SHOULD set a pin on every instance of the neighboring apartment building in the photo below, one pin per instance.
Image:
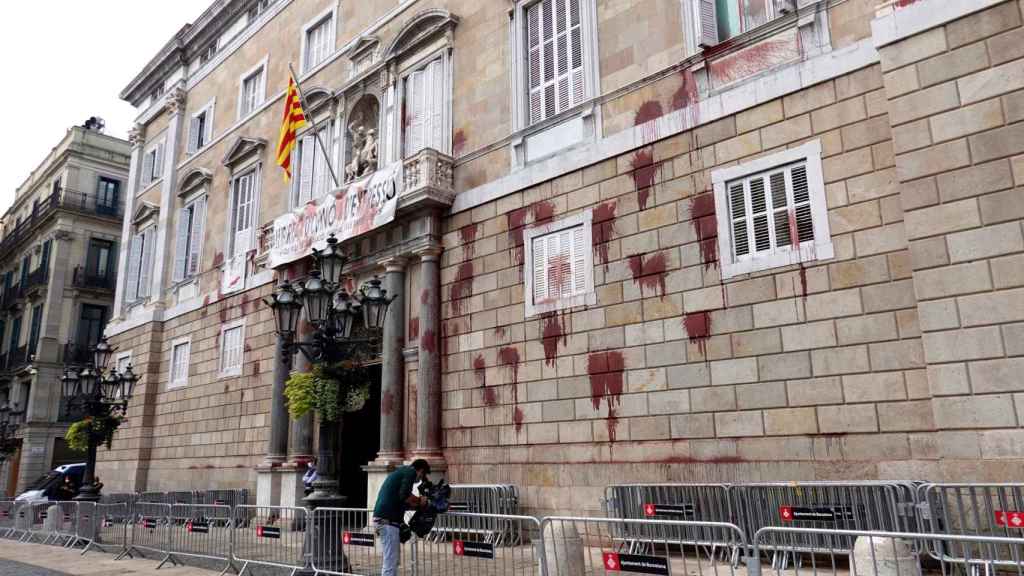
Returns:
(633, 241)
(57, 278)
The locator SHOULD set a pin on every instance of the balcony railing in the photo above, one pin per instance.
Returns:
(37, 277)
(77, 354)
(62, 199)
(84, 279)
(18, 358)
(3, 361)
(12, 295)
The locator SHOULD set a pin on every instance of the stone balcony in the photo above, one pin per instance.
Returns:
(428, 179)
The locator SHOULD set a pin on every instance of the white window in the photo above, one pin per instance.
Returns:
(179, 362)
(318, 43)
(243, 213)
(188, 247)
(771, 212)
(231, 349)
(556, 75)
(124, 360)
(200, 130)
(719, 20)
(153, 163)
(140, 265)
(313, 178)
(559, 261)
(252, 90)
(426, 105)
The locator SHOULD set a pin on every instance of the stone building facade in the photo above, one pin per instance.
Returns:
(784, 246)
(57, 274)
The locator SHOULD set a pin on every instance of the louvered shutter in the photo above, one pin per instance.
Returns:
(414, 112)
(802, 203)
(579, 260)
(181, 243)
(434, 136)
(578, 86)
(134, 267)
(738, 209)
(759, 215)
(195, 242)
(158, 162)
(194, 128)
(780, 209)
(146, 267)
(147, 166)
(536, 89)
(208, 126)
(44, 261)
(243, 214)
(322, 178)
(308, 156)
(708, 23)
(540, 266)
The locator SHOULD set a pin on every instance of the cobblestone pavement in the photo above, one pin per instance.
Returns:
(18, 559)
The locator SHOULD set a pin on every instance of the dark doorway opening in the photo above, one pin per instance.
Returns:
(360, 442)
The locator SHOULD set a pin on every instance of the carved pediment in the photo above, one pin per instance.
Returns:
(145, 212)
(422, 26)
(193, 179)
(364, 45)
(316, 98)
(243, 147)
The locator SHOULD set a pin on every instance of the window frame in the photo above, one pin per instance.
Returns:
(519, 54)
(158, 149)
(694, 35)
(328, 127)
(148, 233)
(180, 380)
(256, 171)
(328, 16)
(421, 67)
(231, 371)
(820, 248)
(194, 145)
(259, 69)
(197, 201)
(586, 298)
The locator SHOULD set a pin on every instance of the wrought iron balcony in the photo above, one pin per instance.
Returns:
(62, 199)
(77, 354)
(38, 277)
(18, 358)
(12, 295)
(84, 279)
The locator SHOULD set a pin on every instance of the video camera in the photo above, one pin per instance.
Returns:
(422, 522)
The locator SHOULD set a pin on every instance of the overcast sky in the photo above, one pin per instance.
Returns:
(66, 60)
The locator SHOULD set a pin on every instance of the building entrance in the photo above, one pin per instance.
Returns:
(360, 442)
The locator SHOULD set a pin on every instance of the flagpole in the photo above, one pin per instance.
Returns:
(316, 127)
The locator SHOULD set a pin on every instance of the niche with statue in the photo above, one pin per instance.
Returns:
(362, 149)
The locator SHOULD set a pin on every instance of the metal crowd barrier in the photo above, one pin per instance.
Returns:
(487, 502)
(344, 541)
(460, 547)
(989, 510)
(199, 531)
(8, 514)
(686, 502)
(149, 529)
(39, 512)
(108, 527)
(881, 552)
(269, 536)
(592, 546)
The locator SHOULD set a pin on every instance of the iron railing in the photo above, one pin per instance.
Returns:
(37, 277)
(82, 278)
(61, 199)
(12, 295)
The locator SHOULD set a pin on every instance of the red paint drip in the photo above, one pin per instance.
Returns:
(480, 370)
(517, 419)
(554, 330)
(702, 218)
(387, 402)
(467, 234)
(424, 296)
(649, 111)
(559, 274)
(218, 259)
(687, 94)
(605, 371)
(644, 170)
(698, 329)
(649, 274)
(414, 327)
(462, 287)
(429, 341)
(509, 356)
(490, 396)
(542, 211)
(603, 229)
(458, 142)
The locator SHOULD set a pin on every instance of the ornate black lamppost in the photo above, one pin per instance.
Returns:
(10, 419)
(332, 312)
(101, 395)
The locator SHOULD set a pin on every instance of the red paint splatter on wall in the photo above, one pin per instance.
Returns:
(687, 94)
(649, 274)
(905, 3)
(462, 287)
(218, 259)
(490, 396)
(554, 330)
(644, 170)
(425, 296)
(467, 234)
(499, 332)
(414, 327)
(387, 402)
(542, 211)
(509, 356)
(458, 142)
(429, 341)
(605, 369)
(559, 274)
(803, 281)
(702, 218)
(256, 367)
(755, 59)
(603, 229)
(517, 418)
(698, 329)
(480, 370)
(648, 112)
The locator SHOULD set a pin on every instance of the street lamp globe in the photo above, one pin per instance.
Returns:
(344, 314)
(286, 306)
(331, 261)
(317, 298)
(375, 303)
(111, 387)
(70, 383)
(128, 381)
(88, 381)
(101, 353)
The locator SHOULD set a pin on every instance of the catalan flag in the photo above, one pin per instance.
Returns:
(294, 118)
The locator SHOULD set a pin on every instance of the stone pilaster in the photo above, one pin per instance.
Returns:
(392, 408)
(428, 388)
(164, 237)
(137, 138)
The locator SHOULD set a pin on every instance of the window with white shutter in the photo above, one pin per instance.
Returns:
(188, 239)
(251, 93)
(426, 105)
(720, 20)
(243, 204)
(312, 178)
(559, 265)
(319, 42)
(200, 131)
(555, 59)
(140, 263)
(180, 350)
(771, 212)
(231, 349)
(152, 163)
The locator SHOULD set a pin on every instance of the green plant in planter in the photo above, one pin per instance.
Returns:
(329, 390)
(102, 428)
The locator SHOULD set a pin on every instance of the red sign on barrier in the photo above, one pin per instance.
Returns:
(636, 563)
(268, 532)
(5, 514)
(611, 561)
(1010, 519)
(473, 549)
(786, 513)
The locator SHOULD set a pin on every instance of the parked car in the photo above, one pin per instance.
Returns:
(59, 484)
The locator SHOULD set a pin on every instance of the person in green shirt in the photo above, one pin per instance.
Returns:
(394, 498)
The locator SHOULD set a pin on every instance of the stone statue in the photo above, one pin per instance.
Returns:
(362, 159)
(352, 169)
(368, 154)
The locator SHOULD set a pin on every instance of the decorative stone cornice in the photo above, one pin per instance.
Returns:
(137, 135)
(428, 253)
(393, 263)
(176, 100)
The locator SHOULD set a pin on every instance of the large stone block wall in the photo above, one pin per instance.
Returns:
(956, 101)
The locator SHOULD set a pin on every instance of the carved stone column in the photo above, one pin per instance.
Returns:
(392, 406)
(428, 389)
(137, 138)
(277, 444)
